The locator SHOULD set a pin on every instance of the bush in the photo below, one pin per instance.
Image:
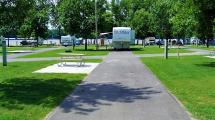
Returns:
(68, 50)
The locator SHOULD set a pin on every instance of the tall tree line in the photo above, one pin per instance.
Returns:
(164, 18)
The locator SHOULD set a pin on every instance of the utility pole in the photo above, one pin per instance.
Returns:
(166, 49)
(4, 51)
(96, 25)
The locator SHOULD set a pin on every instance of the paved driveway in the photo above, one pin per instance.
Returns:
(120, 88)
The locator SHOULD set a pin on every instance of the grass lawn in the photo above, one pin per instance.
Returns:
(154, 50)
(191, 79)
(28, 96)
(204, 47)
(78, 49)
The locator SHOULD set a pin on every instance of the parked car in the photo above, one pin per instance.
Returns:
(150, 41)
(179, 43)
(160, 42)
(77, 42)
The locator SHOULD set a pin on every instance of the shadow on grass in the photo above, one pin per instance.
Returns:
(136, 49)
(89, 97)
(17, 92)
(207, 64)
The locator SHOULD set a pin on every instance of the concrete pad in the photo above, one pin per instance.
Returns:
(70, 67)
(21, 51)
(210, 57)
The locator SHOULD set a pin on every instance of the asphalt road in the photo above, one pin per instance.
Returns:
(120, 88)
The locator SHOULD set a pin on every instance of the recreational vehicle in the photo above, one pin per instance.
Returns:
(122, 37)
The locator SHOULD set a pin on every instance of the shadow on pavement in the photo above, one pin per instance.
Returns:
(89, 97)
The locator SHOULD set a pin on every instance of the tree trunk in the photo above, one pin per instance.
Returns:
(8, 42)
(204, 41)
(207, 43)
(159, 40)
(73, 44)
(166, 48)
(59, 33)
(85, 44)
(37, 38)
(142, 42)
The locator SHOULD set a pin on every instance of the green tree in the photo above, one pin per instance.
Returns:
(206, 17)
(77, 17)
(36, 22)
(10, 21)
(183, 20)
(143, 23)
(55, 17)
(105, 22)
(5, 15)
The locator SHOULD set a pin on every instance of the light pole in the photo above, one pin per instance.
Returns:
(4, 51)
(96, 25)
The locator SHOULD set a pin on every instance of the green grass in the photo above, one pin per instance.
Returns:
(204, 47)
(78, 49)
(191, 79)
(28, 96)
(154, 50)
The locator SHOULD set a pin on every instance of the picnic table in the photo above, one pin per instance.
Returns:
(65, 57)
(212, 52)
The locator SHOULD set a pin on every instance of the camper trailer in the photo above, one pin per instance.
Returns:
(122, 37)
(68, 40)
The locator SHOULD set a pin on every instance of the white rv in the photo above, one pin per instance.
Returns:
(122, 37)
(67, 40)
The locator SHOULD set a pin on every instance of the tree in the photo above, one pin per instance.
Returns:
(36, 22)
(143, 23)
(183, 20)
(206, 17)
(105, 21)
(10, 21)
(77, 17)
(122, 11)
(55, 17)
